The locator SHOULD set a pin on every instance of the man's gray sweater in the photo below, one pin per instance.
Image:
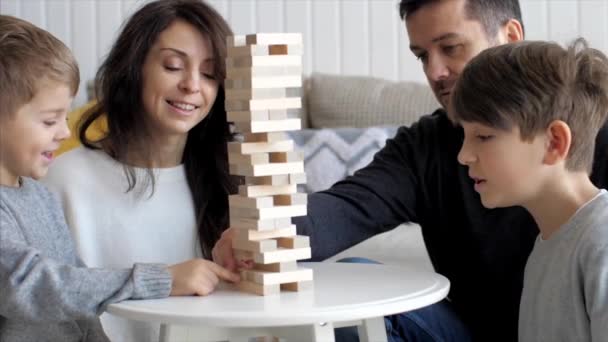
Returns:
(47, 293)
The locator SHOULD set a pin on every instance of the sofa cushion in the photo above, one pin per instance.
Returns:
(332, 154)
(359, 101)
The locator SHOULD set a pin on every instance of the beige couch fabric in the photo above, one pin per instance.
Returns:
(359, 101)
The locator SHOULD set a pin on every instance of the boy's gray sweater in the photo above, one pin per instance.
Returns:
(47, 293)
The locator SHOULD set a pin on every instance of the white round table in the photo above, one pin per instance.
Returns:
(354, 293)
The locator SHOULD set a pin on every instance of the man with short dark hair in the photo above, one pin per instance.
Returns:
(416, 177)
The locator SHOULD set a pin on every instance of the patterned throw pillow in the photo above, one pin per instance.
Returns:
(332, 154)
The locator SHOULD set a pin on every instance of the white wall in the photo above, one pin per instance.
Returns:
(356, 37)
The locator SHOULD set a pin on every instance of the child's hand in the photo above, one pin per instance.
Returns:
(198, 277)
(224, 255)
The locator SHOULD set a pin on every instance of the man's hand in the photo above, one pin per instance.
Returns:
(198, 277)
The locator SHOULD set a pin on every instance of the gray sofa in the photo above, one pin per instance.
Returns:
(346, 120)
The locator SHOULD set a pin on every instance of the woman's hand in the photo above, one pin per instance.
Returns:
(198, 277)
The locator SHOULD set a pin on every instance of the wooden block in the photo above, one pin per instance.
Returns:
(292, 199)
(269, 278)
(268, 137)
(274, 38)
(269, 212)
(234, 73)
(286, 157)
(298, 241)
(256, 235)
(268, 180)
(259, 225)
(285, 49)
(265, 82)
(247, 50)
(262, 246)
(266, 169)
(260, 147)
(263, 50)
(232, 41)
(260, 93)
(278, 114)
(298, 178)
(282, 49)
(269, 126)
(282, 255)
(298, 286)
(278, 267)
(255, 61)
(247, 115)
(264, 104)
(238, 201)
(251, 159)
(267, 190)
(262, 290)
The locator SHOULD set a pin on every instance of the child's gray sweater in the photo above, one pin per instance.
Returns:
(47, 293)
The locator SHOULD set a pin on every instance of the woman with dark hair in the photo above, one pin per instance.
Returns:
(157, 181)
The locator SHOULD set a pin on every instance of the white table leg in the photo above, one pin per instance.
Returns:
(372, 330)
(179, 333)
(319, 332)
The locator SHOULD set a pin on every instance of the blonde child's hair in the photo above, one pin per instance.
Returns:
(29, 56)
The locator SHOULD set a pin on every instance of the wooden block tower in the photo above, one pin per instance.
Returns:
(263, 82)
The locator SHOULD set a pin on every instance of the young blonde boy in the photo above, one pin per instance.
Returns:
(47, 292)
(530, 113)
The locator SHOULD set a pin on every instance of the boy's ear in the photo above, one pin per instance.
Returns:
(559, 140)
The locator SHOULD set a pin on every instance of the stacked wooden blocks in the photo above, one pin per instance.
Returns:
(263, 82)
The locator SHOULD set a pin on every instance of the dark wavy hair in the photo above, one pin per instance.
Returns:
(492, 14)
(119, 87)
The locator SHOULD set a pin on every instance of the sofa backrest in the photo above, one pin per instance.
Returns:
(359, 101)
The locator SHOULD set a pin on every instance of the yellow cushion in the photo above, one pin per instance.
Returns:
(96, 130)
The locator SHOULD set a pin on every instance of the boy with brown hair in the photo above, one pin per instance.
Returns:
(530, 113)
(48, 294)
